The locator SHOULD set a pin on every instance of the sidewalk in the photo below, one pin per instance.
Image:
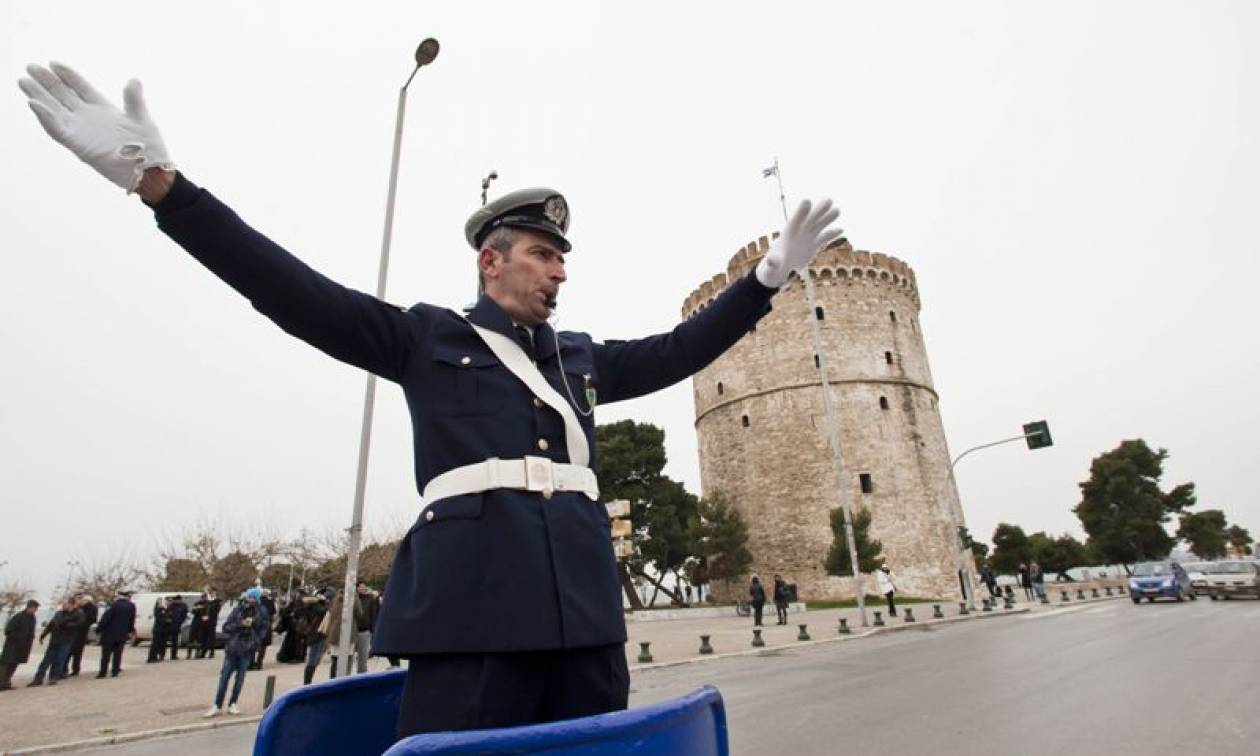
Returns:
(175, 694)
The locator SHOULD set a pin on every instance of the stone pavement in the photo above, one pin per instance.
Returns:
(149, 697)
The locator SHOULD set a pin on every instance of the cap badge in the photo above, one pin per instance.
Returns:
(556, 210)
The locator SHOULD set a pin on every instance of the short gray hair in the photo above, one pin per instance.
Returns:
(500, 240)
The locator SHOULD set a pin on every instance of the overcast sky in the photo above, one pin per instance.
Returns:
(1075, 185)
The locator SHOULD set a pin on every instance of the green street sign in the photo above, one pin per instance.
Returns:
(1037, 434)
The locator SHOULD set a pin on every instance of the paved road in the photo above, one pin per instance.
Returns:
(1108, 678)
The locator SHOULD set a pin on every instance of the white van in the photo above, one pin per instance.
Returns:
(144, 611)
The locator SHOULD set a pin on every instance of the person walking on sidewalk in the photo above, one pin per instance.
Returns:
(161, 631)
(209, 626)
(757, 592)
(780, 599)
(87, 604)
(310, 618)
(884, 577)
(1025, 580)
(989, 579)
(1038, 578)
(62, 628)
(364, 621)
(117, 624)
(19, 636)
(176, 613)
(242, 631)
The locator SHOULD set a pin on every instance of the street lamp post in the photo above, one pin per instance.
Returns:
(1037, 435)
(70, 567)
(425, 53)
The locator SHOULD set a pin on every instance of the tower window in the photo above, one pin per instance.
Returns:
(892, 316)
(888, 357)
(817, 363)
(867, 484)
(818, 312)
(883, 402)
(743, 420)
(719, 388)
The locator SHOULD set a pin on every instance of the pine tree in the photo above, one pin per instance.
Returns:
(838, 561)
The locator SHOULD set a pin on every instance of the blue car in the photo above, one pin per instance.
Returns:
(1152, 580)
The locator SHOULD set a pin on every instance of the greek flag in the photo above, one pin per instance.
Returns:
(771, 171)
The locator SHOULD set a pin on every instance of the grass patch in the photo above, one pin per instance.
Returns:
(871, 601)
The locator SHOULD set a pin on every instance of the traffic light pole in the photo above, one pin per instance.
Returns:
(961, 566)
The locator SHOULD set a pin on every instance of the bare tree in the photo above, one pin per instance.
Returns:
(13, 596)
(104, 577)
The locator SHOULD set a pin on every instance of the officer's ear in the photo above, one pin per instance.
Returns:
(489, 261)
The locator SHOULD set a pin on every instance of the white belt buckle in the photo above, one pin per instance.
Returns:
(539, 476)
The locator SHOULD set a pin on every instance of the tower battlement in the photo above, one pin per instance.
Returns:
(839, 262)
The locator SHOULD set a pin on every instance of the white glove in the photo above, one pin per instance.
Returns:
(119, 145)
(805, 234)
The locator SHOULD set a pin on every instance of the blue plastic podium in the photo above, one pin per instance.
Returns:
(356, 715)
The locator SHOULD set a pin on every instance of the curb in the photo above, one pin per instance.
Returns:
(128, 737)
(857, 635)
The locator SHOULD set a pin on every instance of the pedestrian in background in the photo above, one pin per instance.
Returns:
(312, 618)
(117, 625)
(159, 632)
(87, 604)
(176, 613)
(757, 592)
(331, 627)
(365, 621)
(209, 627)
(241, 633)
(264, 600)
(780, 599)
(884, 578)
(1025, 581)
(292, 645)
(19, 636)
(990, 580)
(1038, 579)
(60, 632)
(198, 614)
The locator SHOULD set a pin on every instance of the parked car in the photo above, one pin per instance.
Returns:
(1152, 580)
(1198, 572)
(1233, 578)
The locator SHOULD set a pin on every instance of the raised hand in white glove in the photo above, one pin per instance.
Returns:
(805, 234)
(119, 144)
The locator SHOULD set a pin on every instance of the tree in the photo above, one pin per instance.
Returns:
(838, 561)
(181, 575)
(1123, 509)
(721, 539)
(13, 596)
(629, 459)
(1239, 539)
(1057, 555)
(1204, 532)
(1010, 548)
(102, 578)
(232, 574)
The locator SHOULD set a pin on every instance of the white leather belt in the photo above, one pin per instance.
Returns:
(528, 474)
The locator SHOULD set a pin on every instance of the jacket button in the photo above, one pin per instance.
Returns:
(429, 515)
(465, 360)
(542, 444)
(537, 402)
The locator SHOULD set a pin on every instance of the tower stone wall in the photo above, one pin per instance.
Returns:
(762, 429)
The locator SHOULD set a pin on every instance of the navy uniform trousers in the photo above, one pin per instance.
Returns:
(508, 604)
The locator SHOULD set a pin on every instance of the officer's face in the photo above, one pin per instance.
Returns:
(525, 280)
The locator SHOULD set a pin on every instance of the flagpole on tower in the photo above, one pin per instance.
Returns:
(833, 425)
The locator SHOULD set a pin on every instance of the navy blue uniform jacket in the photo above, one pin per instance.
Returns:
(503, 570)
(118, 622)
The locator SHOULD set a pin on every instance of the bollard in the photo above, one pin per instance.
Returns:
(909, 614)
(645, 656)
(802, 635)
(844, 626)
(937, 613)
(988, 605)
(705, 648)
(1080, 594)
(1044, 600)
(757, 641)
(1010, 603)
(962, 609)
(270, 691)
(1065, 597)
(1095, 592)
(879, 620)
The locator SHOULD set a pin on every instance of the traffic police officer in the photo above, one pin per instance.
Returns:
(504, 594)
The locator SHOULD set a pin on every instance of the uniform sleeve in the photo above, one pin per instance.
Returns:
(348, 325)
(627, 369)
